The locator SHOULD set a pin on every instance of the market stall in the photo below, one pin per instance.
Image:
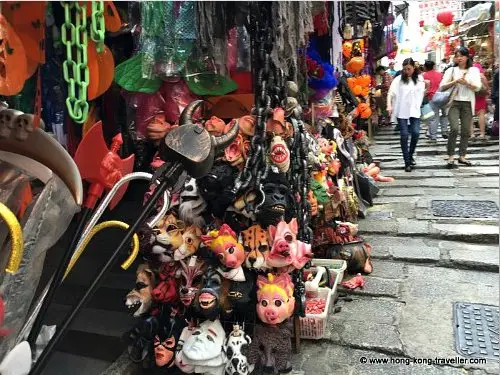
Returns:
(254, 153)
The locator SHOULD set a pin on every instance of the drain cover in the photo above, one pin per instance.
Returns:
(476, 330)
(476, 209)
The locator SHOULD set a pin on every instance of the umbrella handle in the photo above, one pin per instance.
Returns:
(104, 225)
(16, 237)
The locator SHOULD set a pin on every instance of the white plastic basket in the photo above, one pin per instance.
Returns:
(313, 326)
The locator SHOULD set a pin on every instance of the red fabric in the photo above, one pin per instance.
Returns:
(435, 79)
(320, 22)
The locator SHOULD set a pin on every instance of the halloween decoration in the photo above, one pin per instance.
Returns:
(13, 62)
(180, 360)
(191, 242)
(276, 190)
(286, 250)
(192, 205)
(272, 348)
(275, 300)
(166, 340)
(279, 154)
(256, 246)
(211, 297)
(139, 299)
(190, 274)
(167, 237)
(236, 348)
(228, 250)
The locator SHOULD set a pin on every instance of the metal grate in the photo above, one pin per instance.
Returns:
(464, 208)
(476, 329)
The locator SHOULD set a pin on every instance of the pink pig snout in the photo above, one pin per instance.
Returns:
(282, 248)
(271, 313)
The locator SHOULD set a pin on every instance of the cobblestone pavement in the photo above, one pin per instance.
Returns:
(422, 265)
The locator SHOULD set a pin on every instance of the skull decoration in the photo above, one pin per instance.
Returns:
(275, 301)
(228, 250)
(236, 346)
(256, 246)
(24, 126)
(277, 196)
(166, 237)
(211, 296)
(191, 242)
(139, 299)
(190, 275)
(279, 154)
(192, 205)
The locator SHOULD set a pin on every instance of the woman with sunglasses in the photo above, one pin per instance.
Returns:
(466, 81)
(403, 104)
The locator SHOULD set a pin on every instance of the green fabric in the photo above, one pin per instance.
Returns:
(128, 75)
(203, 84)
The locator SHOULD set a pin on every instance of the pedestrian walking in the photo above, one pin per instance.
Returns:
(466, 81)
(434, 78)
(403, 104)
(481, 105)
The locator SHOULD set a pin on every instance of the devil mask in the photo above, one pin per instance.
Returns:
(191, 274)
(211, 296)
(277, 196)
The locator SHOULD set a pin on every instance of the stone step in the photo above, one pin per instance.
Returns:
(473, 233)
(451, 182)
(438, 164)
(428, 156)
(443, 253)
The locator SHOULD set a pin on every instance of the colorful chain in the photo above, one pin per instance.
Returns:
(76, 73)
(97, 30)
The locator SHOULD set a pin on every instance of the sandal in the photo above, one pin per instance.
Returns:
(450, 164)
(464, 162)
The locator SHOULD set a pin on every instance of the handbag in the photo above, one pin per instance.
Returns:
(485, 90)
(443, 99)
(427, 112)
(367, 187)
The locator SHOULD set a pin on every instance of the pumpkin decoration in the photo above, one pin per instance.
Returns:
(364, 110)
(355, 65)
(13, 62)
(365, 91)
(112, 18)
(445, 18)
(364, 80)
(347, 49)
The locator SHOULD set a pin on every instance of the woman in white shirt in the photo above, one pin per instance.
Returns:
(403, 103)
(467, 81)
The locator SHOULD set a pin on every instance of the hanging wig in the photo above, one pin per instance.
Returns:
(321, 75)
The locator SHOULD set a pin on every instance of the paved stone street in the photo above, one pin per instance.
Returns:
(422, 265)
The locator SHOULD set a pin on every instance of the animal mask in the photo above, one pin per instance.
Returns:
(256, 247)
(191, 274)
(205, 344)
(166, 237)
(192, 205)
(277, 195)
(236, 152)
(313, 202)
(275, 301)
(211, 296)
(279, 154)
(225, 245)
(191, 242)
(284, 242)
(166, 290)
(236, 347)
(139, 299)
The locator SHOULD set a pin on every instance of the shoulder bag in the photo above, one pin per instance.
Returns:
(443, 99)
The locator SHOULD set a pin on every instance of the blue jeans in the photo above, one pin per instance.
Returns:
(438, 119)
(409, 127)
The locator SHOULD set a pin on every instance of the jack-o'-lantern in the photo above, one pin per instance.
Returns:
(364, 80)
(13, 62)
(364, 110)
(365, 91)
(356, 90)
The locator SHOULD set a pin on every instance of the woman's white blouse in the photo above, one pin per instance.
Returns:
(464, 93)
(405, 99)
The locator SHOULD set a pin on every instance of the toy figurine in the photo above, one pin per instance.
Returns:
(228, 250)
(236, 348)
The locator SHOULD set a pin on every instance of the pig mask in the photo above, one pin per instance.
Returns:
(284, 243)
(279, 154)
(275, 301)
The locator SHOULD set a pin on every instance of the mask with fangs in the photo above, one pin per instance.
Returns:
(212, 296)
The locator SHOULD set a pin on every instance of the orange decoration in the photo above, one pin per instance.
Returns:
(355, 65)
(364, 110)
(347, 49)
(365, 80)
(93, 66)
(106, 64)
(366, 91)
(357, 90)
(13, 63)
(111, 17)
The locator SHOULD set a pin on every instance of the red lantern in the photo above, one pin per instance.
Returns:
(421, 23)
(446, 18)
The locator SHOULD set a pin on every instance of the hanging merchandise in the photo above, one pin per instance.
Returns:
(445, 18)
